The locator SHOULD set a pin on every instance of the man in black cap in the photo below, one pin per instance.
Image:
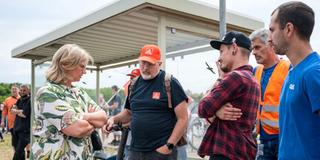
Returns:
(236, 87)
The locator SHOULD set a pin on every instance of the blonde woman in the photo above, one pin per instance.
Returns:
(65, 115)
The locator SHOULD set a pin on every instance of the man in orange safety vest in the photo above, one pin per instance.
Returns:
(270, 74)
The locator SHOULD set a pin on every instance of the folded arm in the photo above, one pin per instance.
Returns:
(78, 129)
(18, 112)
(221, 94)
(228, 112)
(97, 119)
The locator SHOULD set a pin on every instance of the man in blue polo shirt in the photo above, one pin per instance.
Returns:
(290, 30)
(155, 127)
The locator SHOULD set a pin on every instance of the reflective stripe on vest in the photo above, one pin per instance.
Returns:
(269, 113)
(270, 123)
(270, 108)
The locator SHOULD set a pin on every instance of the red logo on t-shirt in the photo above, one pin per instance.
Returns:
(155, 95)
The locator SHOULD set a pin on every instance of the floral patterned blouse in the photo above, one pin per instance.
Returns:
(57, 107)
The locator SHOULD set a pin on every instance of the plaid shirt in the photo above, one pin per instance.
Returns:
(231, 138)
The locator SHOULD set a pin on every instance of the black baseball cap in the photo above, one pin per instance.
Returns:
(233, 37)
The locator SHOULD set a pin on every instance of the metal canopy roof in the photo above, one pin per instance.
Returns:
(116, 32)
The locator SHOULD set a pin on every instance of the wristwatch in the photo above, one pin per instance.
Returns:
(170, 146)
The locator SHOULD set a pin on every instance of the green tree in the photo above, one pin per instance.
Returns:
(5, 90)
(106, 92)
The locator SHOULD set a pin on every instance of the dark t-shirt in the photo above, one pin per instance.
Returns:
(23, 124)
(117, 110)
(152, 120)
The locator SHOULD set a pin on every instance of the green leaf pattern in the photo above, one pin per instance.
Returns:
(56, 108)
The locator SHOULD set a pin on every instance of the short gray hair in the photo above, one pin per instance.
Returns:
(261, 34)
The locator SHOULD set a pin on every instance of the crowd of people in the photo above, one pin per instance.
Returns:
(266, 113)
(279, 98)
(16, 111)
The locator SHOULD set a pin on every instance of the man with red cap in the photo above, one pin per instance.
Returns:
(134, 73)
(156, 128)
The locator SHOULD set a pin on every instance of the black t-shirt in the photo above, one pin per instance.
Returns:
(23, 124)
(152, 120)
(117, 110)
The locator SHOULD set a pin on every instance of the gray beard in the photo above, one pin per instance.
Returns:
(148, 77)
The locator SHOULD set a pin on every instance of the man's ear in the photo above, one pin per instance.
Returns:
(235, 49)
(289, 29)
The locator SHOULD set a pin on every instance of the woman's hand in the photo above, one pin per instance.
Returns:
(91, 109)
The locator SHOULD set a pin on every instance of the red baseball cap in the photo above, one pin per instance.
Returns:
(150, 53)
(134, 73)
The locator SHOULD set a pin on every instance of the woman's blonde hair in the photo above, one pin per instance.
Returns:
(67, 57)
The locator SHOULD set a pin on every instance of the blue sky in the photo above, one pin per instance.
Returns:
(24, 20)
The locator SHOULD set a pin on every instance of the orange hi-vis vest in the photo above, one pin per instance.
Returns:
(268, 114)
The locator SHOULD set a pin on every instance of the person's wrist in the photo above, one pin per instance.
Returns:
(113, 119)
(84, 116)
(170, 146)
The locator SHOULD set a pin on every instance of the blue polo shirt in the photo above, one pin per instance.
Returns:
(152, 121)
(299, 105)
